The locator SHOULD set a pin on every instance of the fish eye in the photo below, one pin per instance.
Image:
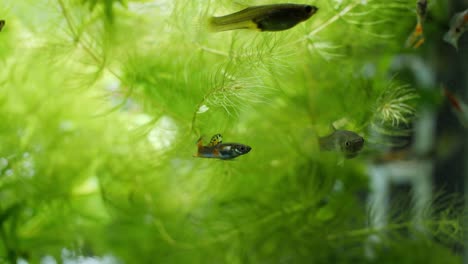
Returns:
(308, 9)
(347, 143)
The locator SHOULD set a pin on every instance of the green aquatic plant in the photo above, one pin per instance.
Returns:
(102, 103)
(395, 107)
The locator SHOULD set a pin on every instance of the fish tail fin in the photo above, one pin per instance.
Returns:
(419, 43)
(450, 38)
(324, 143)
(416, 39)
(453, 100)
(218, 24)
(199, 25)
(200, 142)
(199, 147)
(320, 143)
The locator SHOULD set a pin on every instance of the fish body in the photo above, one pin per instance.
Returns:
(2, 24)
(218, 150)
(416, 39)
(275, 17)
(458, 106)
(342, 141)
(458, 26)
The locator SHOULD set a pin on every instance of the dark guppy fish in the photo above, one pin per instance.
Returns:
(274, 17)
(344, 141)
(218, 150)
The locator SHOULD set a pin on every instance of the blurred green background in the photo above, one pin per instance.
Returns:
(102, 102)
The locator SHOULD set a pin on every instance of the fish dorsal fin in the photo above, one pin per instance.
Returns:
(215, 140)
(200, 142)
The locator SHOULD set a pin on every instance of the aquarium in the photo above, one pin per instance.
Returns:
(248, 131)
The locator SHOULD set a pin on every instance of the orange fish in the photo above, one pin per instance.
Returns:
(458, 106)
(416, 39)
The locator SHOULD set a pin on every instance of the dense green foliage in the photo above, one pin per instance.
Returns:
(102, 102)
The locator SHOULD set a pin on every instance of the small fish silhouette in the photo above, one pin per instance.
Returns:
(274, 17)
(416, 39)
(219, 150)
(458, 26)
(2, 24)
(458, 106)
(343, 141)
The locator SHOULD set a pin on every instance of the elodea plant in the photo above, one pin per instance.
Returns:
(102, 103)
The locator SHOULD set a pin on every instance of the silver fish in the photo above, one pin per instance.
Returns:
(458, 26)
(346, 142)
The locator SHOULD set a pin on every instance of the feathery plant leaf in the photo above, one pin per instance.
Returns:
(102, 102)
(391, 123)
(325, 50)
(395, 105)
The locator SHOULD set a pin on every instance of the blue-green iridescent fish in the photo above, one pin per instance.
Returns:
(218, 150)
(275, 17)
(343, 141)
